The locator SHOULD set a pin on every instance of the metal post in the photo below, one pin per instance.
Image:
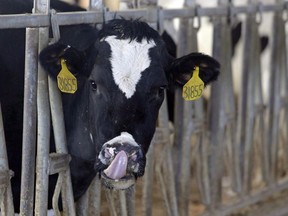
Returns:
(29, 123)
(188, 128)
(61, 145)
(217, 118)
(6, 200)
(43, 111)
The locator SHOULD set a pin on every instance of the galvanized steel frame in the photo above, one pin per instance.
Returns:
(43, 19)
(149, 15)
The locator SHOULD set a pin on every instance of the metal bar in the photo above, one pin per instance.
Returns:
(43, 139)
(29, 123)
(164, 164)
(82, 204)
(58, 162)
(274, 98)
(61, 144)
(70, 18)
(178, 121)
(95, 196)
(6, 205)
(217, 119)
(188, 124)
(60, 138)
(147, 191)
(111, 201)
(250, 199)
(123, 203)
(43, 114)
(250, 46)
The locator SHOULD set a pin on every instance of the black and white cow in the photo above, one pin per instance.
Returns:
(122, 71)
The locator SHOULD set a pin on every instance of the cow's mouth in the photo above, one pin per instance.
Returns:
(115, 175)
(123, 160)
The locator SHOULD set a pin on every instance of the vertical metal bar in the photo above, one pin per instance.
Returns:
(29, 123)
(61, 144)
(189, 125)
(82, 204)
(148, 179)
(284, 93)
(123, 203)
(60, 136)
(43, 112)
(164, 164)
(250, 63)
(43, 140)
(217, 112)
(274, 99)
(111, 201)
(6, 205)
(179, 106)
(95, 197)
(279, 89)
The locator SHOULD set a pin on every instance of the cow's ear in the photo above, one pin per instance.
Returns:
(75, 44)
(50, 58)
(182, 68)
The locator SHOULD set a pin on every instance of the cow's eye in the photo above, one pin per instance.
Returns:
(157, 93)
(93, 85)
(161, 90)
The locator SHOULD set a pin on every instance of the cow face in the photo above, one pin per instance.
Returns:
(122, 72)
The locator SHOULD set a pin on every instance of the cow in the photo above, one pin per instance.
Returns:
(121, 72)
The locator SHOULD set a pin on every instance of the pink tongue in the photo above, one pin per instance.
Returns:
(117, 169)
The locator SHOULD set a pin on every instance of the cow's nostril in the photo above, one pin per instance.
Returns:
(107, 153)
(133, 156)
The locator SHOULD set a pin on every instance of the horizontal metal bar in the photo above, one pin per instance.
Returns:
(150, 15)
(5, 176)
(58, 162)
(250, 199)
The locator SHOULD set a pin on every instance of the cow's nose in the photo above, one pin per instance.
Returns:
(122, 157)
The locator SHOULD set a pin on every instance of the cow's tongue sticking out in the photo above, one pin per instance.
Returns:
(117, 168)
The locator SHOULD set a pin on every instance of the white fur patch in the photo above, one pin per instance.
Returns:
(128, 59)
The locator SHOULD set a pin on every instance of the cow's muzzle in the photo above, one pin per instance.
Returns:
(123, 160)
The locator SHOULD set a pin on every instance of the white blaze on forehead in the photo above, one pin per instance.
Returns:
(128, 60)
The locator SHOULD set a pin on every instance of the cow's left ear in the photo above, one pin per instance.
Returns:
(182, 68)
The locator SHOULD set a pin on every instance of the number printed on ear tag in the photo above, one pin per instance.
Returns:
(193, 89)
(66, 81)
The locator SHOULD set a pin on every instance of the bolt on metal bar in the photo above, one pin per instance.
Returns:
(29, 123)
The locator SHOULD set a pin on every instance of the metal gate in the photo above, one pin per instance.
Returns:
(233, 149)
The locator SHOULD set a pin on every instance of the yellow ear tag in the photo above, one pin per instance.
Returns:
(67, 82)
(193, 89)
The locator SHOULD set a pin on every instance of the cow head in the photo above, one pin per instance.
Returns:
(122, 72)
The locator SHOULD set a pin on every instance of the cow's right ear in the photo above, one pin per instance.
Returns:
(50, 59)
(75, 44)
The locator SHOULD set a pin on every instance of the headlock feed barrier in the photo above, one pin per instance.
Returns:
(230, 150)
